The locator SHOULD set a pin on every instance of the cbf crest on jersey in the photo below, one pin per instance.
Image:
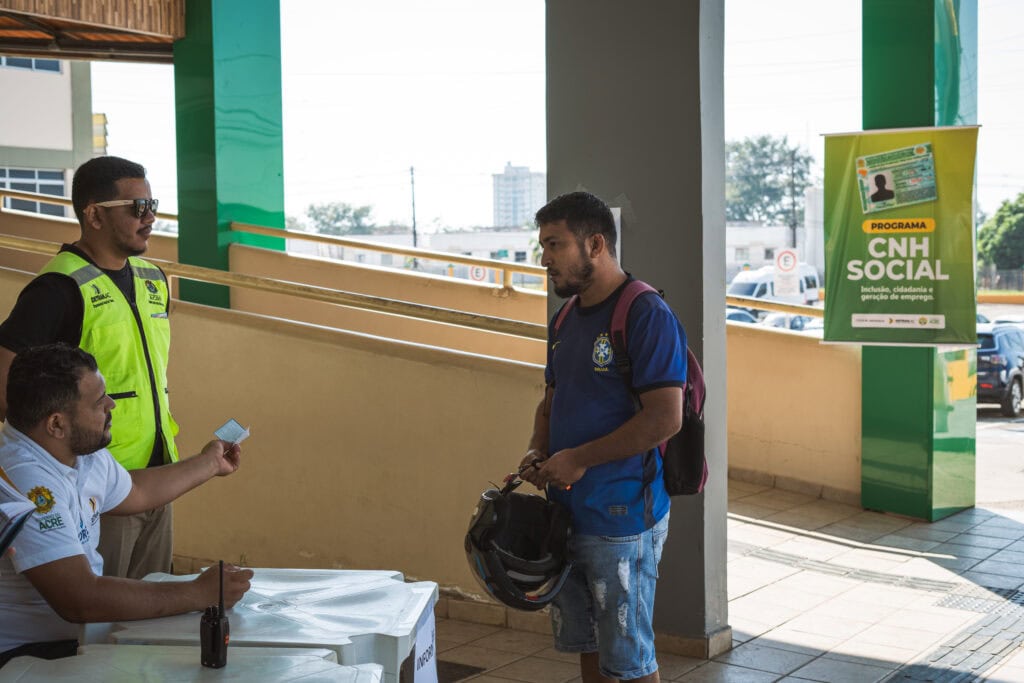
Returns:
(602, 355)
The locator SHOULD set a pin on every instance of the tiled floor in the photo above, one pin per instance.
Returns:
(820, 591)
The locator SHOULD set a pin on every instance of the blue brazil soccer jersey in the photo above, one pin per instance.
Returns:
(627, 496)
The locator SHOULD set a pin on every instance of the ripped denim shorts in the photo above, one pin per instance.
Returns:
(607, 603)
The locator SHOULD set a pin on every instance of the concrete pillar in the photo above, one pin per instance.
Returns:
(634, 115)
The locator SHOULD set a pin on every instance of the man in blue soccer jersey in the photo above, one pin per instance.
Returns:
(596, 453)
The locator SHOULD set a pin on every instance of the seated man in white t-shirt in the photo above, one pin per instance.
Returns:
(53, 447)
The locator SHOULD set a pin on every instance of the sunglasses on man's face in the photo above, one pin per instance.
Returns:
(139, 206)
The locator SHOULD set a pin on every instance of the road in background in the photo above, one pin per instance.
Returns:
(993, 311)
(1000, 460)
(1000, 445)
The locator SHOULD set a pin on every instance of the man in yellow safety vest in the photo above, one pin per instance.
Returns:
(99, 295)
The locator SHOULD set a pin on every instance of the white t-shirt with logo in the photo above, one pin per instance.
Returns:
(69, 501)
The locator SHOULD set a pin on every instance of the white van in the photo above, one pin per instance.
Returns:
(760, 284)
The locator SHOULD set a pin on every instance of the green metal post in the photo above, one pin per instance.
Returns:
(227, 79)
(918, 405)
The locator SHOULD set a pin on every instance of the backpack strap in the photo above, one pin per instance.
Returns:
(620, 316)
(563, 312)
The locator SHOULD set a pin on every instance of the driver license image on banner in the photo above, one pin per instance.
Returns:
(898, 177)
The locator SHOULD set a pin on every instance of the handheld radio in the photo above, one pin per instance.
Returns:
(214, 632)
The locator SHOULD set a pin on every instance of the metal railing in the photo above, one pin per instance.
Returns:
(775, 306)
(333, 296)
(507, 269)
(365, 301)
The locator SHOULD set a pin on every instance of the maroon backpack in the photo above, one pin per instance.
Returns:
(684, 463)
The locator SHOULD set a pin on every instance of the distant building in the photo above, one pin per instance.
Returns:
(518, 194)
(517, 245)
(501, 245)
(748, 246)
(47, 131)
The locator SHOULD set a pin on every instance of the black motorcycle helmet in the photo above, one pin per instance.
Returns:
(516, 547)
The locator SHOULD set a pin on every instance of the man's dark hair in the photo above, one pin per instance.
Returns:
(43, 380)
(95, 180)
(584, 215)
(880, 181)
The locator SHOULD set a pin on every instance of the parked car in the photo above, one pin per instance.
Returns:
(815, 327)
(760, 284)
(740, 315)
(1001, 366)
(786, 321)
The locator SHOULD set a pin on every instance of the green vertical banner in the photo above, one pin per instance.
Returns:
(899, 236)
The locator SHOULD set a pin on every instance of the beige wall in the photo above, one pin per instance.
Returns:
(369, 453)
(44, 99)
(794, 411)
(425, 289)
(364, 453)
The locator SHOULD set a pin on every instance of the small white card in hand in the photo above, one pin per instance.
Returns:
(232, 432)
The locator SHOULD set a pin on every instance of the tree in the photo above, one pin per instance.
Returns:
(765, 180)
(1001, 238)
(339, 218)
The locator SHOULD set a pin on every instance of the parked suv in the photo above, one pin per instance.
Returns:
(1001, 366)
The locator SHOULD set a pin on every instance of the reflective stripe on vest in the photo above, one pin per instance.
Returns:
(131, 348)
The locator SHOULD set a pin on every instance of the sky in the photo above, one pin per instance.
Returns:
(455, 89)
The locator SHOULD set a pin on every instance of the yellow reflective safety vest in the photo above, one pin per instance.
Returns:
(130, 341)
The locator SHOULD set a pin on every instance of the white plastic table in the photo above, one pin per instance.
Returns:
(168, 664)
(366, 617)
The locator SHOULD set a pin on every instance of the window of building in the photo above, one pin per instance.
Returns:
(33, 180)
(769, 253)
(742, 254)
(520, 257)
(52, 65)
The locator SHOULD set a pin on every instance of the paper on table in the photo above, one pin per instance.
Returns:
(15, 510)
(232, 432)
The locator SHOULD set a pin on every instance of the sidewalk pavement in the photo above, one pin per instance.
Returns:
(822, 591)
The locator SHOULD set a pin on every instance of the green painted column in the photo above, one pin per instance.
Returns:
(227, 80)
(918, 405)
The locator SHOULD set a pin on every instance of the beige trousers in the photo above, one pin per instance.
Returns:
(136, 545)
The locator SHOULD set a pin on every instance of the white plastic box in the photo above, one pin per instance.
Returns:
(366, 617)
(168, 664)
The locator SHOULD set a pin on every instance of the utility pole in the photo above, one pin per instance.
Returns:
(792, 197)
(412, 186)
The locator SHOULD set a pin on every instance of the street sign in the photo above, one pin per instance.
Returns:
(787, 277)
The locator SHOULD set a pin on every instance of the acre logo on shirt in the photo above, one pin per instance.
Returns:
(43, 499)
(51, 522)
